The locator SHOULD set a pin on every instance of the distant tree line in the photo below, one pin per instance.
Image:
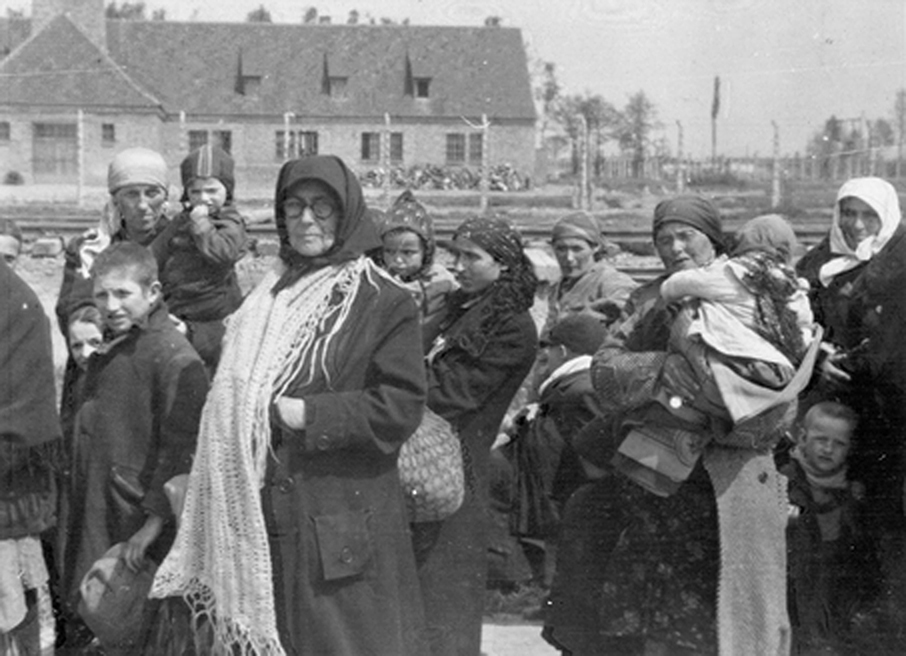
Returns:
(632, 129)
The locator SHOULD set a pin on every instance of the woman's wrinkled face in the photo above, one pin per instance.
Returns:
(475, 269)
(312, 214)
(681, 246)
(574, 255)
(141, 206)
(858, 221)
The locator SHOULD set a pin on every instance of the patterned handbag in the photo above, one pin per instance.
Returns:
(431, 471)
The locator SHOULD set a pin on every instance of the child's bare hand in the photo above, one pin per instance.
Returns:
(199, 212)
(138, 544)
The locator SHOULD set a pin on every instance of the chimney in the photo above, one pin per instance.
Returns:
(87, 14)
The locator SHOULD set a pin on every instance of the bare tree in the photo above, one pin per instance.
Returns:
(637, 122)
(259, 15)
(126, 11)
(899, 118)
(600, 116)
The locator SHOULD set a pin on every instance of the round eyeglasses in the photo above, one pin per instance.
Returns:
(322, 208)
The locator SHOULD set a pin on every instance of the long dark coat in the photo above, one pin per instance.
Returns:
(471, 384)
(863, 310)
(344, 573)
(135, 430)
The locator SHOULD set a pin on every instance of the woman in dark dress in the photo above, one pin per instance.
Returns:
(485, 347)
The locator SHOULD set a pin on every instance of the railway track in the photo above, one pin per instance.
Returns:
(636, 239)
(70, 226)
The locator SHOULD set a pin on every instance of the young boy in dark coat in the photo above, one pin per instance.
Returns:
(830, 560)
(197, 252)
(137, 425)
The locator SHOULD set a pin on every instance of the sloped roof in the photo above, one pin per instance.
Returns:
(61, 66)
(473, 70)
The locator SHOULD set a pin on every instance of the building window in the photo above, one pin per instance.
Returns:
(336, 87)
(371, 146)
(396, 146)
(476, 145)
(197, 139)
(308, 143)
(4, 131)
(456, 148)
(422, 85)
(224, 139)
(108, 135)
(295, 144)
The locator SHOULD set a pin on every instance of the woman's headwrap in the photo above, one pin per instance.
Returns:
(504, 243)
(406, 213)
(128, 167)
(578, 225)
(356, 232)
(771, 234)
(208, 162)
(137, 166)
(695, 211)
(881, 196)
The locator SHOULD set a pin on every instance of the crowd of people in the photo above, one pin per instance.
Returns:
(709, 462)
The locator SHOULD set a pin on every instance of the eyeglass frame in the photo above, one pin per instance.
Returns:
(313, 206)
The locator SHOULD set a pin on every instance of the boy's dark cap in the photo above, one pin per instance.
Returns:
(208, 162)
(580, 333)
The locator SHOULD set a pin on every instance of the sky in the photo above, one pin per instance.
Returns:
(793, 62)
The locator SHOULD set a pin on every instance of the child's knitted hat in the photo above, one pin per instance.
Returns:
(208, 162)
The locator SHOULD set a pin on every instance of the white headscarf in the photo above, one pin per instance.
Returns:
(882, 198)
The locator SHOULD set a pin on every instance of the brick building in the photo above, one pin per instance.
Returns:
(76, 87)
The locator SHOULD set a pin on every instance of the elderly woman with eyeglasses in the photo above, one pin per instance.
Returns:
(294, 538)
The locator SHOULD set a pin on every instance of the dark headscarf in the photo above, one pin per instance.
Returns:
(770, 233)
(694, 211)
(514, 290)
(356, 232)
(208, 162)
(407, 213)
(578, 225)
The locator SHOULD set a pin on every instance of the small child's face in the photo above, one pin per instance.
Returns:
(209, 192)
(123, 301)
(404, 252)
(84, 339)
(825, 443)
(9, 249)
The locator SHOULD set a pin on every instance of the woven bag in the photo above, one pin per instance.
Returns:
(431, 473)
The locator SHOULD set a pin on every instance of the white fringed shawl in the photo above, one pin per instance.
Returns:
(220, 561)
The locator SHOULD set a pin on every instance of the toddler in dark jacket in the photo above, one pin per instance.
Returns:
(830, 560)
(197, 252)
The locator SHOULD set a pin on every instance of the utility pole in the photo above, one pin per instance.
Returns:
(80, 145)
(385, 157)
(584, 200)
(775, 186)
(715, 110)
(680, 173)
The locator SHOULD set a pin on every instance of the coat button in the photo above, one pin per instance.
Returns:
(286, 484)
(346, 555)
(323, 443)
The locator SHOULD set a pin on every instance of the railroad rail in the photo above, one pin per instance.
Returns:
(633, 239)
(70, 226)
